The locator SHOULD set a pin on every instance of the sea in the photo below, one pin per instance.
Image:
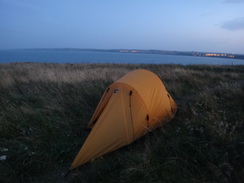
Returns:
(87, 56)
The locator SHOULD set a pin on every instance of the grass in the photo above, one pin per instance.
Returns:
(44, 109)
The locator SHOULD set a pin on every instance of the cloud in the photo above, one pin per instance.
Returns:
(236, 24)
(234, 1)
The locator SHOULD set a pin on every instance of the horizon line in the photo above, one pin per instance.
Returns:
(107, 49)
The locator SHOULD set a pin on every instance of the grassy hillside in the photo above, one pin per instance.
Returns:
(44, 109)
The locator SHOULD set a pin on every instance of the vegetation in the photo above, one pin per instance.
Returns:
(44, 109)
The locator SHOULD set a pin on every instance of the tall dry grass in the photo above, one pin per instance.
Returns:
(44, 109)
(64, 73)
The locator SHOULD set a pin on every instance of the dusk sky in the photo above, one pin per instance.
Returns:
(180, 25)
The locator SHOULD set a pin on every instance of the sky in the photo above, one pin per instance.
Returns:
(179, 25)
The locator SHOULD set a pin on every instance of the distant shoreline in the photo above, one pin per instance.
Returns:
(141, 51)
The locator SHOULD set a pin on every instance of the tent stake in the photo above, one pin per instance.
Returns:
(67, 174)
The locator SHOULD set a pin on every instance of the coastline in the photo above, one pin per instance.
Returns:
(110, 56)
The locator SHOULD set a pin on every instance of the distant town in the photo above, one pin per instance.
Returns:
(163, 52)
(192, 53)
(186, 53)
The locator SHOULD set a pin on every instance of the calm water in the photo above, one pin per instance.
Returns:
(80, 56)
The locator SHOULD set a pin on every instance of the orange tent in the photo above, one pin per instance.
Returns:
(129, 108)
